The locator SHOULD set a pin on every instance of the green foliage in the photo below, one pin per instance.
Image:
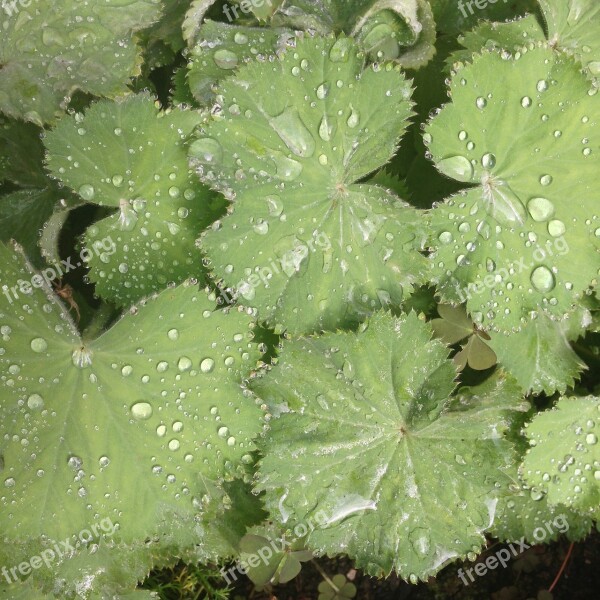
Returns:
(331, 288)
(48, 54)
(317, 252)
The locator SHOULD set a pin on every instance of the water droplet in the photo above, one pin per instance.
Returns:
(546, 180)
(504, 205)
(35, 402)
(542, 279)
(445, 237)
(184, 363)
(240, 38)
(526, 102)
(225, 59)
(481, 102)
(323, 91)
(540, 209)
(207, 150)
(591, 439)
(556, 228)
(542, 85)
(293, 132)
(141, 411)
(207, 365)
(223, 432)
(117, 180)
(87, 192)
(287, 168)
(353, 119)
(104, 461)
(39, 345)
(174, 444)
(457, 167)
(488, 161)
(173, 334)
(325, 129)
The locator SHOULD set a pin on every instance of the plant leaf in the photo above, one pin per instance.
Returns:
(564, 458)
(139, 426)
(130, 156)
(574, 26)
(51, 50)
(405, 474)
(540, 356)
(300, 222)
(514, 246)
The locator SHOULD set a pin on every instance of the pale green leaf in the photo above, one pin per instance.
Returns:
(138, 426)
(129, 155)
(564, 458)
(48, 50)
(457, 16)
(304, 236)
(523, 132)
(369, 435)
(574, 26)
(540, 356)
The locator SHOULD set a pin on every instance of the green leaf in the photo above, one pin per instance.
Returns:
(138, 427)
(25, 212)
(527, 514)
(280, 555)
(540, 356)
(508, 36)
(564, 458)
(50, 50)
(304, 237)
(455, 17)
(522, 131)
(223, 48)
(368, 434)
(574, 27)
(345, 589)
(129, 155)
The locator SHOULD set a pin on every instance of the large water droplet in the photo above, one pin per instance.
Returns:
(340, 51)
(207, 150)
(87, 192)
(556, 228)
(504, 205)
(457, 167)
(287, 168)
(225, 59)
(543, 280)
(141, 411)
(540, 209)
(293, 132)
(39, 345)
(35, 402)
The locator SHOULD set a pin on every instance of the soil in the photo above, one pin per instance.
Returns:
(528, 576)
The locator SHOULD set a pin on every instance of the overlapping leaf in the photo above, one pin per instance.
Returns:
(564, 458)
(130, 156)
(369, 435)
(50, 49)
(526, 238)
(304, 237)
(137, 427)
(540, 356)
(25, 211)
(399, 30)
(574, 26)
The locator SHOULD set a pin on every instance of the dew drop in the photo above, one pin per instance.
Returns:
(141, 411)
(87, 192)
(207, 365)
(39, 345)
(543, 280)
(457, 167)
(540, 209)
(225, 59)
